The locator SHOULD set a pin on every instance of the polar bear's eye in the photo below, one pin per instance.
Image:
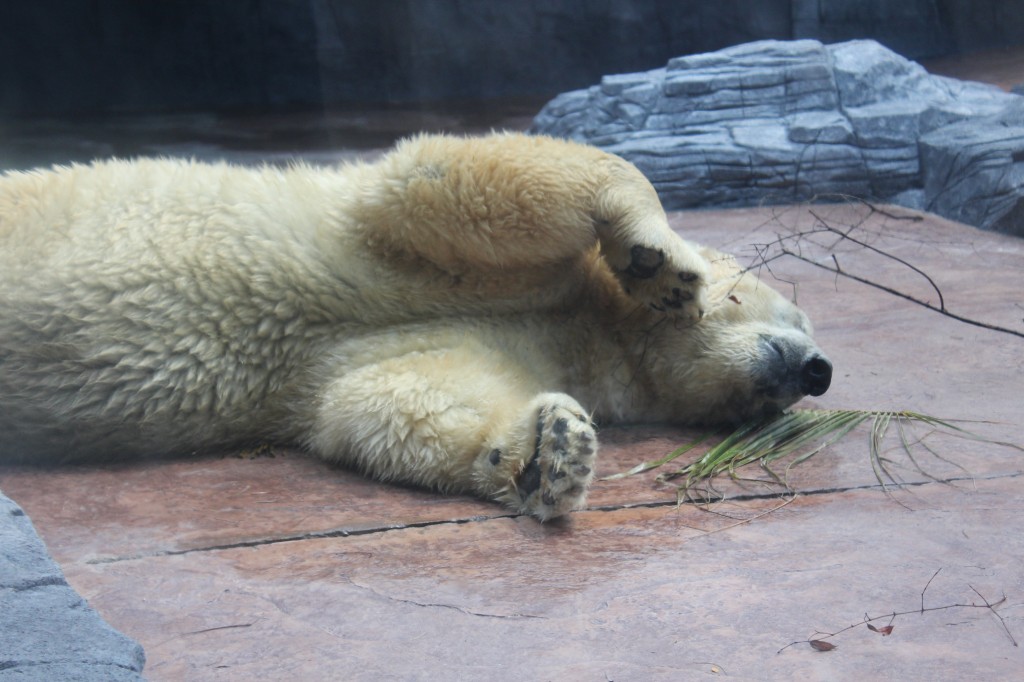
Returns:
(801, 322)
(791, 316)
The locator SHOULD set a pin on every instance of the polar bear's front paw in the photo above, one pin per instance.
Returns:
(673, 283)
(555, 480)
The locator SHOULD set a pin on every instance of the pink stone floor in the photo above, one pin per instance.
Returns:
(269, 566)
(261, 567)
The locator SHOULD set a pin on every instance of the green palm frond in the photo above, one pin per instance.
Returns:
(803, 434)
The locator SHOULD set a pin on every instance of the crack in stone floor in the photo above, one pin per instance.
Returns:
(376, 530)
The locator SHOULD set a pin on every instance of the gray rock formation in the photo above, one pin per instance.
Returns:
(774, 122)
(47, 631)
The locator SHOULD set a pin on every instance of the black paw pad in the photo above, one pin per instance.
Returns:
(644, 262)
(554, 475)
(678, 297)
(529, 480)
(560, 427)
(560, 431)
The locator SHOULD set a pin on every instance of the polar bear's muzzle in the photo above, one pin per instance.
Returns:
(791, 369)
(816, 375)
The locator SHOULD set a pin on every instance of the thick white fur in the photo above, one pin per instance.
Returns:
(453, 316)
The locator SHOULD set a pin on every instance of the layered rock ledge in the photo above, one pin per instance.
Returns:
(784, 121)
(47, 631)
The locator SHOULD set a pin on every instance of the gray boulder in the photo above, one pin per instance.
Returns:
(782, 121)
(973, 171)
(47, 631)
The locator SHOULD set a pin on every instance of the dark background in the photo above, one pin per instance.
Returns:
(61, 57)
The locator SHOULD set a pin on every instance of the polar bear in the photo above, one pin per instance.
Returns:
(457, 315)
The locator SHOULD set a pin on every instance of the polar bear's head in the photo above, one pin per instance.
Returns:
(752, 355)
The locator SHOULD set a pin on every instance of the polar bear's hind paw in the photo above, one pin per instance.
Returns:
(555, 480)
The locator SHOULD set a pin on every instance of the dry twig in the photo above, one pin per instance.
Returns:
(819, 643)
(792, 244)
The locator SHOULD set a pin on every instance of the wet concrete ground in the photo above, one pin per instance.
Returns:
(268, 565)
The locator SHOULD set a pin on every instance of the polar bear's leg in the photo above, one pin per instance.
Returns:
(482, 431)
(652, 263)
(507, 203)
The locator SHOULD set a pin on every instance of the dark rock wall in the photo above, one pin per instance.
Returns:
(59, 57)
(913, 28)
(472, 49)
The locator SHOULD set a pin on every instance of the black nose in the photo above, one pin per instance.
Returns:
(815, 375)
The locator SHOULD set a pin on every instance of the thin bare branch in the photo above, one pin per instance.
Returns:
(926, 586)
(792, 244)
(880, 252)
(821, 636)
(991, 608)
(908, 297)
(875, 209)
